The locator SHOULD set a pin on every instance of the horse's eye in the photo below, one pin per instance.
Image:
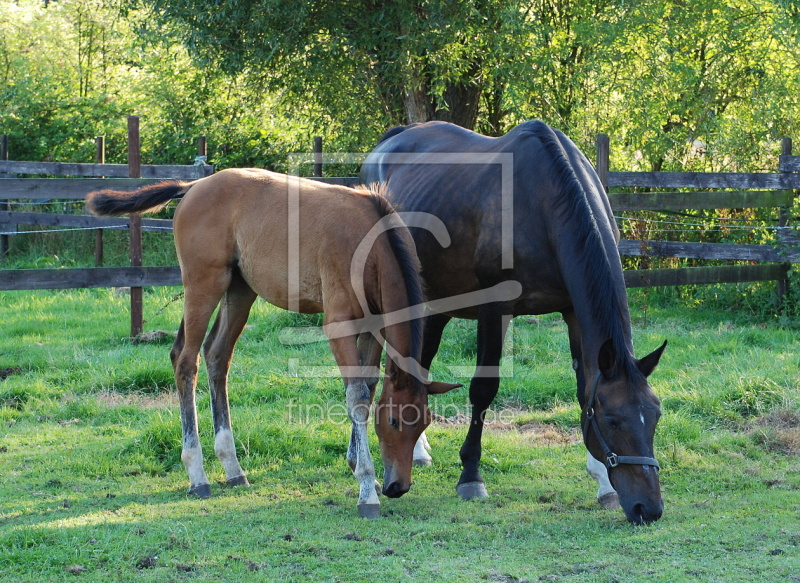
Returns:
(394, 422)
(613, 422)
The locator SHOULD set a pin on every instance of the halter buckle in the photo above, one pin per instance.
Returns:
(612, 461)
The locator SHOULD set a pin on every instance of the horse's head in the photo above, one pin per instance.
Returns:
(619, 422)
(401, 416)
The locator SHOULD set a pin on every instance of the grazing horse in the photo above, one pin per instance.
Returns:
(528, 207)
(300, 245)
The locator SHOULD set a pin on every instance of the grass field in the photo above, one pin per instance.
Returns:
(92, 487)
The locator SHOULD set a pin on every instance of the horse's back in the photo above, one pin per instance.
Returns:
(503, 188)
(273, 228)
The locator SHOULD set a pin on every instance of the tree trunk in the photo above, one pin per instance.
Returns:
(461, 101)
(418, 106)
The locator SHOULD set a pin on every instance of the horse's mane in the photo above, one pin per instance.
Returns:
(407, 261)
(573, 206)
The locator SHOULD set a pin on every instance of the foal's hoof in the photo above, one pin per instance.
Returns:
(369, 511)
(470, 490)
(422, 462)
(238, 481)
(201, 491)
(609, 501)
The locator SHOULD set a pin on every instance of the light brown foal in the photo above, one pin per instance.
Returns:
(299, 244)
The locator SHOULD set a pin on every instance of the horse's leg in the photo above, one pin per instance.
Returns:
(201, 298)
(434, 328)
(492, 326)
(358, 399)
(606, 495)
(218, 351)
(369, 355)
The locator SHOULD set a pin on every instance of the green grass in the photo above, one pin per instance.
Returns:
(92, 487)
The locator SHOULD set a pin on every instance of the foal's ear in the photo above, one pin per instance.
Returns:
(648, 364)
(607, 359)
(441, 388)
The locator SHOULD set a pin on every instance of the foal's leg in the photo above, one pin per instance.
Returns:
(606, 495)
(369, 355)
(434, 328)
(358, 398)
(492, 326)
(200, 300)
(218, 351)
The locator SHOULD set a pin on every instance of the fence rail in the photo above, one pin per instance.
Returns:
(77, 277)
(105, 170)
(743, 190)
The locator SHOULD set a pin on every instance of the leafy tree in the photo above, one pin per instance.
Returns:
(411, 60)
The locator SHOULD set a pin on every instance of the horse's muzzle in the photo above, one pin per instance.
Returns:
(394, 490)
(644, 512)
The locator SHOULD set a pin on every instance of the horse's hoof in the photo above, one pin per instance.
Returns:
(378, 489)
(470, 490)
(609, 501)
(423, 462)
(238, 481)
(201, 491)
(369, 511)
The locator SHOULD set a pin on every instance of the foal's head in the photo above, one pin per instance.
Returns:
(401, 416)
(619, 423)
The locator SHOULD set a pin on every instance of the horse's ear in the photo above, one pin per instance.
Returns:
(607, 359)
(440, 388)
(648, 364)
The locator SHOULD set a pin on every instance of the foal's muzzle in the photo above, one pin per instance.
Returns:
(394, 490)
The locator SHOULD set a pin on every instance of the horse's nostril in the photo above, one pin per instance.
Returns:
(641, 514)
(394, 490)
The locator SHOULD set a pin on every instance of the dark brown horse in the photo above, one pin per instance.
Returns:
(309, 247)
(529, 208)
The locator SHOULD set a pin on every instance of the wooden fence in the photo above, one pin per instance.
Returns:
(731, 190)
(734, 191)
(116, 176)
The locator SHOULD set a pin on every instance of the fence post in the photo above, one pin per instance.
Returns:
(4, 247)
(318, 156)
(100, 158)
(783, 221)
(202, 148)
(602, 147)
(135, 171)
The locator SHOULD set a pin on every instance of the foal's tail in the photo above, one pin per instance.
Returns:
(147, 199)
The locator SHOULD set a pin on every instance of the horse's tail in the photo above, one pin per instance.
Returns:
(147, 199)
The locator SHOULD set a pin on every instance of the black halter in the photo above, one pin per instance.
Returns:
(612, 460)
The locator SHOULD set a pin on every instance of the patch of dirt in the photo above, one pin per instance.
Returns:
(76, 569)
(8, 371)
(251, 565)
(147, 562)
(154, 336)
(505, 420)
(167, 400)
(780, 419)
(779, 431)
(459, 419)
